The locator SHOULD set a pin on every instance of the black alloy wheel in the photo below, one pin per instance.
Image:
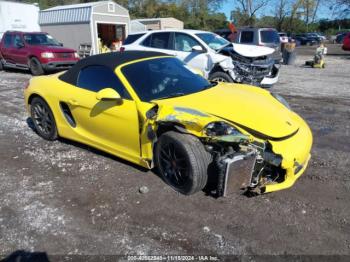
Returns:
(182, 161)
(174, 165)
(43, 119)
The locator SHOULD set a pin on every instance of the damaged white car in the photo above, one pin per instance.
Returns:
(215, 57)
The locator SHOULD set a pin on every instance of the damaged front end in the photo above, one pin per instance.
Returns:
(242, 162)
(246, 167)
(258, 71)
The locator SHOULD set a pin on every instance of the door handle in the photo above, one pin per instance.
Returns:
(73, 102)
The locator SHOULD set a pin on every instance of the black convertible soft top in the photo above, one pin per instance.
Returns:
(111, 60)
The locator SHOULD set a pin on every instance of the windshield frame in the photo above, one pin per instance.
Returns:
(225, 42)
(133, 91)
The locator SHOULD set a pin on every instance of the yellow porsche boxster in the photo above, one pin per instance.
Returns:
(152, 110)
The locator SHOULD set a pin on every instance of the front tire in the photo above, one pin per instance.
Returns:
(35, 67)
(182, 161)
(43, 119)
(220, 77)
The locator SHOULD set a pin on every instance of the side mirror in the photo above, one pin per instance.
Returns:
(108, 94)
(197, 48)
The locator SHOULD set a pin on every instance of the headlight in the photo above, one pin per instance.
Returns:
(47, 55)
(281, 100)
(76, 55)
(220, 129)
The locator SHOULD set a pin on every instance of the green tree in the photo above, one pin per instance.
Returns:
(246, 10)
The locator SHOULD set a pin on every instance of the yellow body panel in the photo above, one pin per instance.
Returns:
(249, 106)
(122, 129)
(105, 125)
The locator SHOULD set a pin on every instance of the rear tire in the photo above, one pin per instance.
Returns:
(35, 67)
(220, 77)
(43, 119)
(182, 161)
(1, 66)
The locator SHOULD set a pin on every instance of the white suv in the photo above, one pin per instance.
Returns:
(215, 57)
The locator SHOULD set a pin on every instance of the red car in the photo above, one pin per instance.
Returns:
(346, 42)
(39, 52)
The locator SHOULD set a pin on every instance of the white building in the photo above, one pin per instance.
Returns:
(160, 23)
(74, 25)
(16, 16)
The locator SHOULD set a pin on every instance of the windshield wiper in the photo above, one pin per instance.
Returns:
(172, 95)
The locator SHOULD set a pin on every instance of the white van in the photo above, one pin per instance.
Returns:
(18, 17)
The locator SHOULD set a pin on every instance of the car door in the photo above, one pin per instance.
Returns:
(111, 125)
(183, 44)
(18, 51)
(7, 47)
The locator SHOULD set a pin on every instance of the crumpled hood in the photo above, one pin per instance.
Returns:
(250, 108)
(252, 50)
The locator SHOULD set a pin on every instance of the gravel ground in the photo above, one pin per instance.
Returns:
(65, 198)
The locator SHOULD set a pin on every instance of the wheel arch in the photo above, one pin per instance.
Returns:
(217, 68)
(33, 95)
(165, 127)
(30, 56)
(170, 126)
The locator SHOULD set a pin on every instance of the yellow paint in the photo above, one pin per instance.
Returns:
(121, 128)
(321, 64)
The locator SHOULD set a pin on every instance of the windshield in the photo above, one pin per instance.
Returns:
(40, 39)
(163, 78)
(212, 40)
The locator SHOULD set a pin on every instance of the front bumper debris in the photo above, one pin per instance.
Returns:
(291, 175)
(265, 167)
(272, 79)
(240, 174)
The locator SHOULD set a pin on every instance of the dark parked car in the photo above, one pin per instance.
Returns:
(305, 39)
(315, 36)
(39, 52)
(340, 37)
(261, 36)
